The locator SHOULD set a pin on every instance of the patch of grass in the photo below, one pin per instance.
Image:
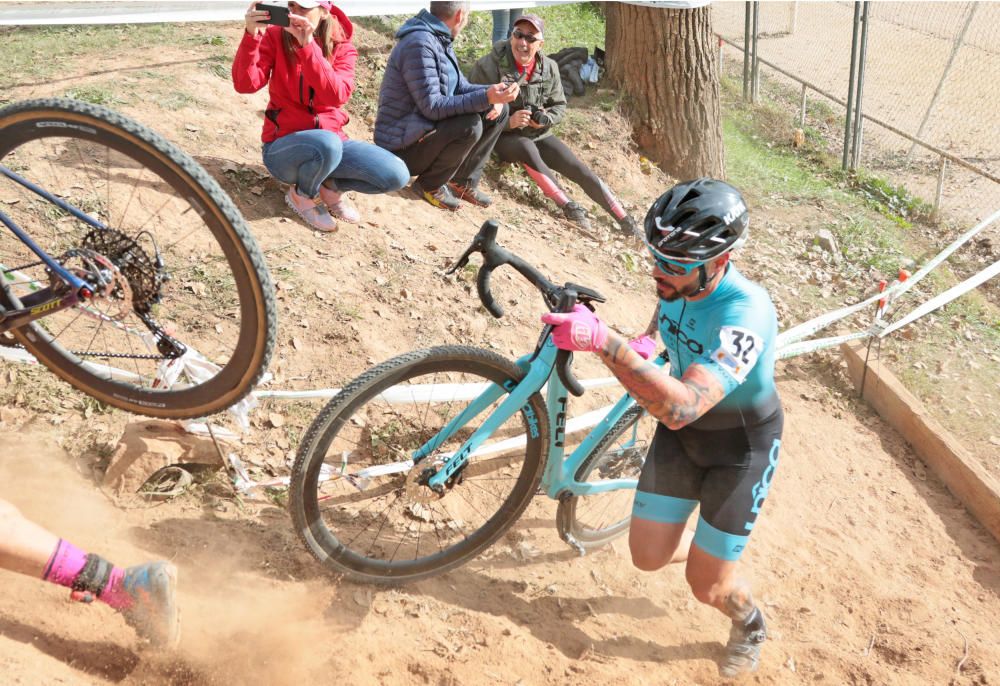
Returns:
(872, 244)
(218, 65)
(895, 202)
(175, 100)
(34, 53)
(753, 165)
(96, 94)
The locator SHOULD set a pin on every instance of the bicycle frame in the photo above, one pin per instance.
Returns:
(559, 473)
(78, 289)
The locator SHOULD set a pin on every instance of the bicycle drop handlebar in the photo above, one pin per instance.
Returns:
(557, 298)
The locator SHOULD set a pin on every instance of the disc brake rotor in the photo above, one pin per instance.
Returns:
(417, 490)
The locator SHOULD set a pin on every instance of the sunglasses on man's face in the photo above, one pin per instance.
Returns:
(672, 268)
(527, 37)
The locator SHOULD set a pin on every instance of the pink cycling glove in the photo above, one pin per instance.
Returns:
(644, 345)
(577, 330)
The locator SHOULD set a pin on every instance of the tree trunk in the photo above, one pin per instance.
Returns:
(665, 63)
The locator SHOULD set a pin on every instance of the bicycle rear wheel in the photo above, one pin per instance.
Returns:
(591, 521)
(361, 506)
(183, 271)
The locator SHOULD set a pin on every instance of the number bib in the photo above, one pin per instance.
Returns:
(738, 351)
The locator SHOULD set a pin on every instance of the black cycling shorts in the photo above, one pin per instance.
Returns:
(726, 471)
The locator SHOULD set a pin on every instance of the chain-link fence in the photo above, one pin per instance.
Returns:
(931, 72)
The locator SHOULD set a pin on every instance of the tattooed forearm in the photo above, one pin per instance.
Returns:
(674, 402)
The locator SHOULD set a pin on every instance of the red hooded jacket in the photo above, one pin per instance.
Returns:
(305, 93)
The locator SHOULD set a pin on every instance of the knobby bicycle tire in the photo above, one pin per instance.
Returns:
(217, 256)
(591, 521)
(372, 528)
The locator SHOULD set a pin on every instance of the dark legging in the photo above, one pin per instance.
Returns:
(541, 157)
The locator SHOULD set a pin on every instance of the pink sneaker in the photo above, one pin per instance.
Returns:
(338, 205)
(310, 211)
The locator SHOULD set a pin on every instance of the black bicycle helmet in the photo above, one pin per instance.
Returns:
(696, 221)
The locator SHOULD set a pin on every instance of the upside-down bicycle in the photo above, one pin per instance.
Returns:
(129, 272)
(423, 461)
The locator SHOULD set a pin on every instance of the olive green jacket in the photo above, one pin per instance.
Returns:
(543, 90)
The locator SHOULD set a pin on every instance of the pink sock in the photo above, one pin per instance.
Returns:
(67, 562)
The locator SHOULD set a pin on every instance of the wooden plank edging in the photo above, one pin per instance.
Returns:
(962, 473)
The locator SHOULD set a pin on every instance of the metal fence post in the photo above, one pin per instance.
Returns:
(859, 117)
(940, 188)
(850, 84)
(746, 52)
(755, 65)
(802, 107)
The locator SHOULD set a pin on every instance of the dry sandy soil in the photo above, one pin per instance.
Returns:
(870, 572)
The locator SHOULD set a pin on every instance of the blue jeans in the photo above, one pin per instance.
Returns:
(503, 23)
(306, 159)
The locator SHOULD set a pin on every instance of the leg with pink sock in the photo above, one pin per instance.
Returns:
(143, 594)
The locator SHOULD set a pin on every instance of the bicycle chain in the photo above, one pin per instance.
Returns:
(7, 340)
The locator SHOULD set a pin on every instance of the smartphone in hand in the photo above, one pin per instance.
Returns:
(278, 13)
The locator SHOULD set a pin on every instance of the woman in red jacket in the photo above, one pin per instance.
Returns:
(308, 68)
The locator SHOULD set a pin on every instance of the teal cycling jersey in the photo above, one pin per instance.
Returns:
(731, 333)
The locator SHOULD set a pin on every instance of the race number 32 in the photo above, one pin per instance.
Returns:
(738, 351)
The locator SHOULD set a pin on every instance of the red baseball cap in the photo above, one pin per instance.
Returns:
(535, 21)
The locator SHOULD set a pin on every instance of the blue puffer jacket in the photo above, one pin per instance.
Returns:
(414, 89)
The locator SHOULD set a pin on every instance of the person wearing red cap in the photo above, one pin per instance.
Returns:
(143, 594)
(539, 107)
(308, 67)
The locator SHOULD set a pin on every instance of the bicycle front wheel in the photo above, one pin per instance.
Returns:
(175, 266)
(591, 521)
(363, 507)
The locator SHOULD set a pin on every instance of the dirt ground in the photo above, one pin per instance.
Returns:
(869, 571)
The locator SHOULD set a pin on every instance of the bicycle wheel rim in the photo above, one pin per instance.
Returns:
(596, 519)
(386, 543)
(219, 301)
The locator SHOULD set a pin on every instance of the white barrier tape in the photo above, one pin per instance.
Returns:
(797, 333)
(892, 293)
(575, 425)
(946, 297)
(181, 11)
(946, 253)
(422, 395)
(803, 347)
(17, 355)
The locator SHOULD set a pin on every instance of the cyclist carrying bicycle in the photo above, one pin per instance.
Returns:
(143, 594)
(720, 416)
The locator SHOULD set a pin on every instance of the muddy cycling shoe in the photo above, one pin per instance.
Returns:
(743, 649)
(629, 227)
(154, 614)
(441, 197)
(576, 214)
(312, 213)
(470, 194)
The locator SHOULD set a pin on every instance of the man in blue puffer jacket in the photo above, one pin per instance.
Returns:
(443, 127)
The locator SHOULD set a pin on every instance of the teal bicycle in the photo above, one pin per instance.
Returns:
(425, 460)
